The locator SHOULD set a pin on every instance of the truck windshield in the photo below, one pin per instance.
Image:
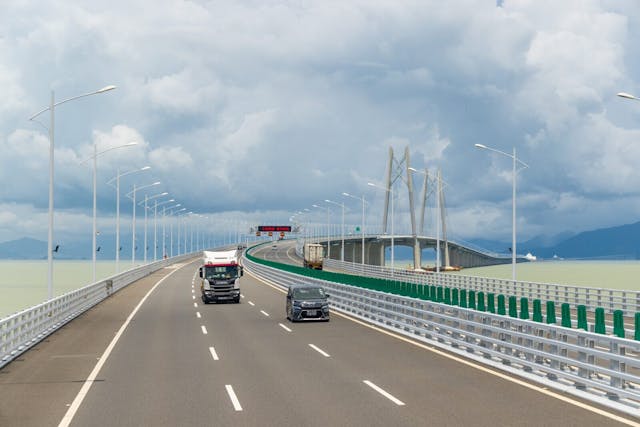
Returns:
(308, 293)
(221, 272)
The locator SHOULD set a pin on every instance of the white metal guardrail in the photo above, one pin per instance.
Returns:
(22, 330)
(601, 368)
(609, 299)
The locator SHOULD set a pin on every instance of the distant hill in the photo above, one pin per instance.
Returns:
(621, 242)
(24, 248)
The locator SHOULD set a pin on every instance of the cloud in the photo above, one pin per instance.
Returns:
(270, 107)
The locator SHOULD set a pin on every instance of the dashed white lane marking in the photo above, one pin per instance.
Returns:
(284, 327)
(505, 377)
(242, 296)
(233, 397)
(384, 393)
(319, 350)
(195, 304)
(251, 303)
(193, 291)
(264, 312)
(204, 329)
(213, 353)
(198, 314)
(193, 296)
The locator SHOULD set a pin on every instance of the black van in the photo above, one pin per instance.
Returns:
(307, 302)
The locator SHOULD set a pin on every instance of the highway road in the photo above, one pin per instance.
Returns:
(177, 362)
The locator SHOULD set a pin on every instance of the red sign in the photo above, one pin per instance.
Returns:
(279, 228)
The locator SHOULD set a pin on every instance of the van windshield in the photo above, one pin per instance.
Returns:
(308, 293)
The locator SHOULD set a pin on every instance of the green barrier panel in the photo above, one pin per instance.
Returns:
(463, 298)
(434, 296)
(551, 312)
(537, 310)
(524, 308)
(618, 323)
(582, 318)
(455, 300)
(472, 300)
(440, 296)
(481, 306)
(565, 311)
(600, 327)
(637, 334)
(501, 306)
(491, 303)
(447, 296)
(513, 307)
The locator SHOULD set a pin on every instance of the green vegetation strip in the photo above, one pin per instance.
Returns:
(466, 299)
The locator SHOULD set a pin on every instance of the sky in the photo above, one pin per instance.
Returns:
(250, 111)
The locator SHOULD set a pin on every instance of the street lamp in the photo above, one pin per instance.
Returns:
(117, 178)
(513, 202)
(628, 96)
(362, 225)
(95, 172)
(155, 227)
(342, 205)
(328, 230)
(392, 222)
(146, 200)
(51, 109)
(132, 195)
(164, 222)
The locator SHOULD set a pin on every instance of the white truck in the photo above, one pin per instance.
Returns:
(219, 275)
(313, 254)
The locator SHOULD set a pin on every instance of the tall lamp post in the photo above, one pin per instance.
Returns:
(94, 157)
(146, 207)
(132, 195)
(342, 234)
(51, 108)
(328, 230)
(513, 201)
(362, 225)
(110, 182)
(155, 220)
(390, 190)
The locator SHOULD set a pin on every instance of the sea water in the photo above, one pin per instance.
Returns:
(23, 284)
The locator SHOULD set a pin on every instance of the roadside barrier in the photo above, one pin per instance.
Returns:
(21, 331)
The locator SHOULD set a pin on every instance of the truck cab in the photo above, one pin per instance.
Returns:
(219, 277)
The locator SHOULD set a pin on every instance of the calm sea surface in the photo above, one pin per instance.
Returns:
(24, 283)
(595, 274)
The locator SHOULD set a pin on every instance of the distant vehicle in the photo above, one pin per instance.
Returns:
(307, 302)
(274, 247)
(220, 272)
(313, 254)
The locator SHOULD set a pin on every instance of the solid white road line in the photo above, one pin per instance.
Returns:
(198, 314)
(204, 329)
(284, 327)
(233, 397)
(384, 393)
(251, 303)
(75, 405)
(325, 354)
(264, 312)
(213, 353)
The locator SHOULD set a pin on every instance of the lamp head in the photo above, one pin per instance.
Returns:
(480, 146)
(626, 95)
(106, 89)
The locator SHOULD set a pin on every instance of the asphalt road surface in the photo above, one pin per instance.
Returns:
(178, 362)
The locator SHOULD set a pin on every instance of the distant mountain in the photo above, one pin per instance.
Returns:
(24, 248)
(621, 242)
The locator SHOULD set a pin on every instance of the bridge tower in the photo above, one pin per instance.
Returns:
(399, 169)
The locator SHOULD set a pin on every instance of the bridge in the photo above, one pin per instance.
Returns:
(152, 354)
(375, 246)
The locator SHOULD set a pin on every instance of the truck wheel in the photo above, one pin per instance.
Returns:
(237, 300)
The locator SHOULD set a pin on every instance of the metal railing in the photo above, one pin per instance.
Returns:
(600, 368)
(22, 330)
(592, 298)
